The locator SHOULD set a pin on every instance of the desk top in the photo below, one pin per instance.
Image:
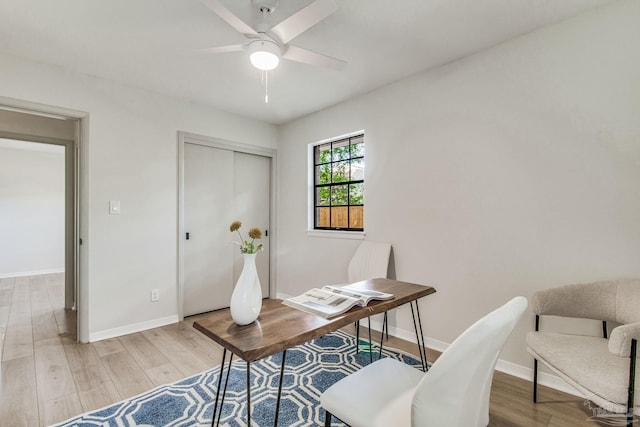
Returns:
(280, 327)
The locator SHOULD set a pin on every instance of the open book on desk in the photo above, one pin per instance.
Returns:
(330, 301)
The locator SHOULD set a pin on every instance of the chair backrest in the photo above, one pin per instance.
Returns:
(455, 391)
(611, 300)
(370, 261)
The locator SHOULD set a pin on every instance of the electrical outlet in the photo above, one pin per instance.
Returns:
(155, 295)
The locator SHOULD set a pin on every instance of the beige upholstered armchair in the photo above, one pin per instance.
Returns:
(602, 369)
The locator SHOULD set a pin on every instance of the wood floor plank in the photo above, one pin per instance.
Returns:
(508, 403)
(44, 326)
(61, 408)
(94, 385)
(38, 295)
(18, 341)
(53, 375)
(6, 295)
(6, 283)
(143, 351)
(108, 346)
(126, 374)
(18, 397)
(164, 374)
(18, 337)
(178, 354)
(4, 321)
(99, 397)
(203, 347)
(55, 291)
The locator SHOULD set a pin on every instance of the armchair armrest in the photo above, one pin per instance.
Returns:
(620, 339)
(587, 301)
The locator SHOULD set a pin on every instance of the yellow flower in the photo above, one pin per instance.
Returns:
(247, 247)
(255, 233)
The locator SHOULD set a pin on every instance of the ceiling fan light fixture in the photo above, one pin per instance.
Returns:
(264, 54)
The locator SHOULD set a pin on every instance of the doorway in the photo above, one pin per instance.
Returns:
(20, 128)
(220, 182)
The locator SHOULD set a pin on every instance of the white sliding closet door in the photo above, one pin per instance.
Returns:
(221, 186)
(251, 191)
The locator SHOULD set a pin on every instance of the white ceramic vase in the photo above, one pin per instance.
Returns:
(246, 300)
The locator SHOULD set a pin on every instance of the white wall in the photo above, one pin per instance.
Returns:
(513, 170)
(132, 157)
(31, 209)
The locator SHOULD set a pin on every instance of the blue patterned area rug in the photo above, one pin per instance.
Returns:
(310, 369)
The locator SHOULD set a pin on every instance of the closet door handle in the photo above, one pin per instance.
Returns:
(187, 236)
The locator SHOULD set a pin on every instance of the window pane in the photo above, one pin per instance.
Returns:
(323, 153)
(356, 217)
(341, 172)
(339, 195)
(339, 217)
(322, 217)
(323, 174)
(357, 169)
(341, 150)
(356, 194)
(323, 196)
(357, 149)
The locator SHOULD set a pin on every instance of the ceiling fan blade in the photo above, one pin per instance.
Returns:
(221, 10)
(298, 54)
(303, 19)
(222, 49)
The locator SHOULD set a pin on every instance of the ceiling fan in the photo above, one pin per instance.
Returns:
(267, 44)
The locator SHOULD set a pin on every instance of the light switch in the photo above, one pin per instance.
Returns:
(114, 207)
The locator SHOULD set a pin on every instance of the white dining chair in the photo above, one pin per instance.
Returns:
(370, 261)
(453, 393)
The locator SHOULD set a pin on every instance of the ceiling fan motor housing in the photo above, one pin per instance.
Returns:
(264, 54)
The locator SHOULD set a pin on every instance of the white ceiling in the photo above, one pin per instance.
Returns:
(150, 44)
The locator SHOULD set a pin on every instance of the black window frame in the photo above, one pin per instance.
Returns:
(350, 140)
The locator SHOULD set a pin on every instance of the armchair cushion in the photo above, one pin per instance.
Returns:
(585, 363)
(620, 339)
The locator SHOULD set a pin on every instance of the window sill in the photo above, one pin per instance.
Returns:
(335, 234)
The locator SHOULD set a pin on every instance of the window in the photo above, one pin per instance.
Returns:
(339, 184)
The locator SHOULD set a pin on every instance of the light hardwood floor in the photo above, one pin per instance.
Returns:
(47, 377)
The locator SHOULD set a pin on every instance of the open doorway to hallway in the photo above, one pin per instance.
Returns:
(32, 252)
(39, 204)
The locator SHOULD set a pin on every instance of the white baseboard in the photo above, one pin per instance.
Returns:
(32, 273)
(130, 329)
(544, 378)
(282, 296)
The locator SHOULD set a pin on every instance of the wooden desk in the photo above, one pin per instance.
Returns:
(280, 327)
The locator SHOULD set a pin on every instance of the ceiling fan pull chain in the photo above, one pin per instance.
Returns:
(266, 87)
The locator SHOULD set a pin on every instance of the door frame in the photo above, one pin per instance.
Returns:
(191, 138)
(76, 201)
